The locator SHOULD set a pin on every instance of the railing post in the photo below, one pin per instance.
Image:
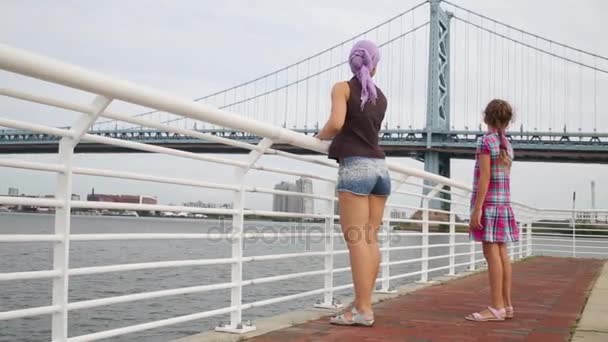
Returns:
(472, 257)
(386, 253)
(61, 250)
(236, 325)
(573, 235)
(63, 193)
(529, 239)
(424, 277)
(236, 294)
(329, 302)
(520, 242)
(452, 244)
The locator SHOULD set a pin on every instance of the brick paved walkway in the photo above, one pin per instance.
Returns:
(549, 295)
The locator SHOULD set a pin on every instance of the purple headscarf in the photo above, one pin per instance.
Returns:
(364, 57)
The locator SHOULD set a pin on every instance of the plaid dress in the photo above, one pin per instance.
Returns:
(498, 219)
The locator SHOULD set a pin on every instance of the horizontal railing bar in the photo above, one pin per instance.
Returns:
(271, 301)
(566, 251)
(87, 304)
(578, 225)
(22, 164)
(149, 207)
(267, 213)
(401, 262)
(26, 126)
(159, 149)
(579, 239)
(150, 325)
(550, 228)
(443, 245)
(284, 235)
(151, 178)
(341, 269)
(272, 279)
(148, 236)
(401, 248)
(29, 275)
(30, 238)
(148, 265)
(437, 257)
(289, 193)
(439, 268)
(418, 208)
(462, 264)
(447, 223)
(307, 159)
(579, 246)
(290, 255)
(293, 173)
(570, 211)
(27, 201)
(440, 190)
(439, 199)
(406, 233)
(31, 312)
(534, 234)
(405, 275)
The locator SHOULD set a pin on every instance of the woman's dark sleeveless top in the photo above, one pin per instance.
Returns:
(359, 135)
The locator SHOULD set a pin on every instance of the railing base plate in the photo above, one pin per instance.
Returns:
(325, 306)
(385, 291)
(236, 330)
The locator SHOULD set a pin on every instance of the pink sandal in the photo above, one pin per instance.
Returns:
(509, 313)
(499, 315)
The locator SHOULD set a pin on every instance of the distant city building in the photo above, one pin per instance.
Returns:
(13, 192)
(304, 185)
(139, 199)
(399, 214)
(200, 204)
(587, 217)
(294, 204)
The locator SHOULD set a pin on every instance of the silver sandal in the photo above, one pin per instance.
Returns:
(357, 319)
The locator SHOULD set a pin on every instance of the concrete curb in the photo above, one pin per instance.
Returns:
(593, 326)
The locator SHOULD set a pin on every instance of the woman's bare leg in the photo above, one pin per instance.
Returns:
(354, 216)
(376, 212)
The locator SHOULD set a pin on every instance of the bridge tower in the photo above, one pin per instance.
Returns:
(438, 93)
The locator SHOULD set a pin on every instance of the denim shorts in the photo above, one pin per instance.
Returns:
(364, 176)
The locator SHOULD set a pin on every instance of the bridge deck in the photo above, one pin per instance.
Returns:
(549, 295)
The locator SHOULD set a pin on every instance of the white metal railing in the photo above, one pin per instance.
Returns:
(426, 216)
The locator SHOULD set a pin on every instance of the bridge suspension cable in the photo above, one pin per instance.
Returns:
(531, 72)
(297, 65)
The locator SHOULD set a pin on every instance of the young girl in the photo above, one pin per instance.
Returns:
(492, 219)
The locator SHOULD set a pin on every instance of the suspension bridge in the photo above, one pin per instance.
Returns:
(441, 64)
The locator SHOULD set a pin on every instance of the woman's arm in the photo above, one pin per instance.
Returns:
(333, 126)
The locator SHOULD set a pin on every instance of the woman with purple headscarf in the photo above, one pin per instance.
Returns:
(357, 111)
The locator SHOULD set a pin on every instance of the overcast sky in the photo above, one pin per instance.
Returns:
(192, 48)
